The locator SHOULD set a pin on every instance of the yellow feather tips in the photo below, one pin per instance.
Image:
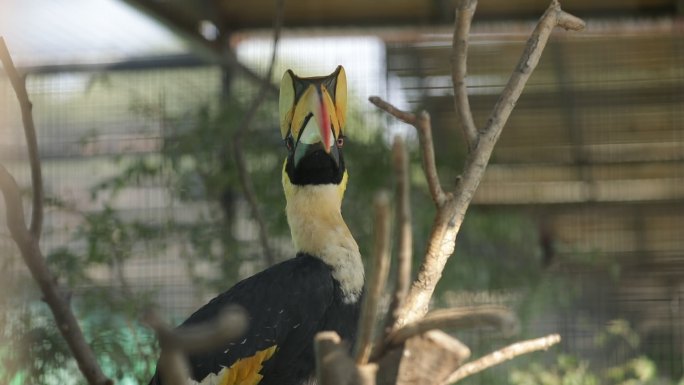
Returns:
(293, 107)
(245, 371)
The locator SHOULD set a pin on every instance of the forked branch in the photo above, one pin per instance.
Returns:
(422, 124)
(452, 206)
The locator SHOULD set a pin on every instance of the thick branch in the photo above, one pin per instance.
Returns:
(404, 233)
(377, 281)
(422, 124)
(27, 240)
(19, 86)
(502, 355)
(496, 317)
(450, 215)
(459, 55)
(238, 142)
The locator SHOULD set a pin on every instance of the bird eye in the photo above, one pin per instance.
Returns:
(289, 142)
(340, 141)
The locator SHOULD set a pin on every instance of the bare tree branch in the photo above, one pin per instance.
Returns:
(238, 141)
(404, 234)
(497, 317)
(377, 281)
(19, 86)
(27, 240)
(502, 355)
(452, 207)
(459, 54)
(422, 124)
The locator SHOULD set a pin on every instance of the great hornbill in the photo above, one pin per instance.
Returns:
(321, 287)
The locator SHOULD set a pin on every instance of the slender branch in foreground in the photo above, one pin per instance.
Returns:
(19, 86)
(27, 240)
(238, 140)
(229, 325)
(177, 343)
(404, 233)
(459, 54)
(377, 281)
(422, 124)
(497, 317)
(451, 211)
(502, 355)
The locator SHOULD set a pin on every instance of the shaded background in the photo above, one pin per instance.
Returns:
(577, 224)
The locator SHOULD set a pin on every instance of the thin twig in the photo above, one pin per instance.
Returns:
(27, 240)
(497, 317)
(404, 233)
(422, 124)
(377, 281)
(502, 355)
(19, 86)
(404, 116)
(450, 214)
(243, 128)
(459, 55)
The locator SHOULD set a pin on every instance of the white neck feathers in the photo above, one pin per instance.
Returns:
(315, 219)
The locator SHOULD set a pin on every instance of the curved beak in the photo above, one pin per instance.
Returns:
(317, 133)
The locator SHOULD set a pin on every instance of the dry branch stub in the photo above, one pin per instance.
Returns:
(428, 358)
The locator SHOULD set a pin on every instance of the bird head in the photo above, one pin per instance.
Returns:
(312, 118)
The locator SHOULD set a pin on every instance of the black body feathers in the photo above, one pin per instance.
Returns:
(287, 305)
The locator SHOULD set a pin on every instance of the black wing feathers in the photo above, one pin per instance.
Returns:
(287, 305)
